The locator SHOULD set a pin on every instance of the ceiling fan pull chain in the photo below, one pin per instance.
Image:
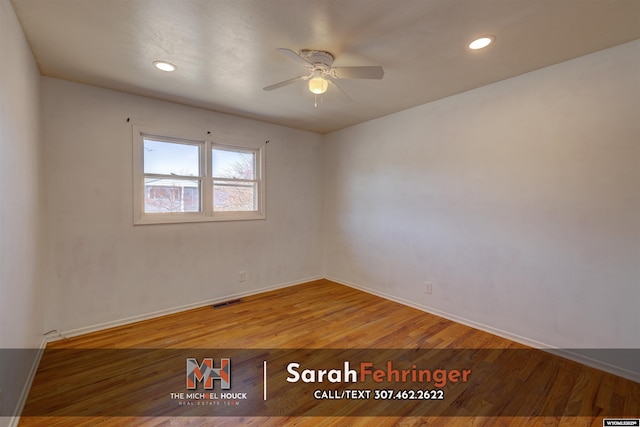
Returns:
(315, 100)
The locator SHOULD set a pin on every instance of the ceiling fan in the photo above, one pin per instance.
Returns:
(321, 72)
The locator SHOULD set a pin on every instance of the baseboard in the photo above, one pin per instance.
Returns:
(172, 310)
(595, 363)
(15, 420)
(567, 354)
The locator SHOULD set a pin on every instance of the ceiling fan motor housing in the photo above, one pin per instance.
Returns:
(319, 58)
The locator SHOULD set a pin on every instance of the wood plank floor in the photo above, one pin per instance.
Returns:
(326, 315)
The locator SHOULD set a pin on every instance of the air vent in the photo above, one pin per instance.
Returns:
(226, 303)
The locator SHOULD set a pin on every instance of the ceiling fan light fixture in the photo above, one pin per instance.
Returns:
(164, 66)
(318, 85)
(481, 42)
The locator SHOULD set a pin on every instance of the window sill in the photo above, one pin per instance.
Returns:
(185, 218)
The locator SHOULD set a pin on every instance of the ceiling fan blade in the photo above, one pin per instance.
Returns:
(294, 57)
(366, 72)
(286, 82)
(347, 97)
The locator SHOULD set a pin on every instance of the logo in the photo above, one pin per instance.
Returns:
(206, 373)
(621, 422)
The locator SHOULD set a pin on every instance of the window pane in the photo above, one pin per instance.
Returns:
(169, 195)
(229, 196)
(170, 158)
(233, 164)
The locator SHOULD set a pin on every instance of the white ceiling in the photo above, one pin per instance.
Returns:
(225, 50)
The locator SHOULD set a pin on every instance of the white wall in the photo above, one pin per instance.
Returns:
(103, 269)
(21, 227)
(518, 200)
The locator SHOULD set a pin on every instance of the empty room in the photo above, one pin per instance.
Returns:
(328, 212)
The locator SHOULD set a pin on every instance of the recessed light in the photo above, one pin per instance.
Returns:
(482, 42)
(164, 66)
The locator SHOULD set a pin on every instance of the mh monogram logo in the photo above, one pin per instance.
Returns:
(207, 373)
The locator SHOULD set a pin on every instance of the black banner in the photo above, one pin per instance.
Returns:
(317, 382)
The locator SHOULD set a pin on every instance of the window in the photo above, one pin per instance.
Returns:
(181, 180)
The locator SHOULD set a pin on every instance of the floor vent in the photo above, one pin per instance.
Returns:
(226, 303)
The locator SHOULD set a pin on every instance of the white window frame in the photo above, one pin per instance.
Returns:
(207, 213)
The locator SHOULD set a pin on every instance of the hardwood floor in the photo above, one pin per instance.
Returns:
(510, 384)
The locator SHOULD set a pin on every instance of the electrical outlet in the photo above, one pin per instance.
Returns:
(428, 287)
(242, 276)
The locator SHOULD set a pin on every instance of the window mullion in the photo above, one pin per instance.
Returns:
(207, 182)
